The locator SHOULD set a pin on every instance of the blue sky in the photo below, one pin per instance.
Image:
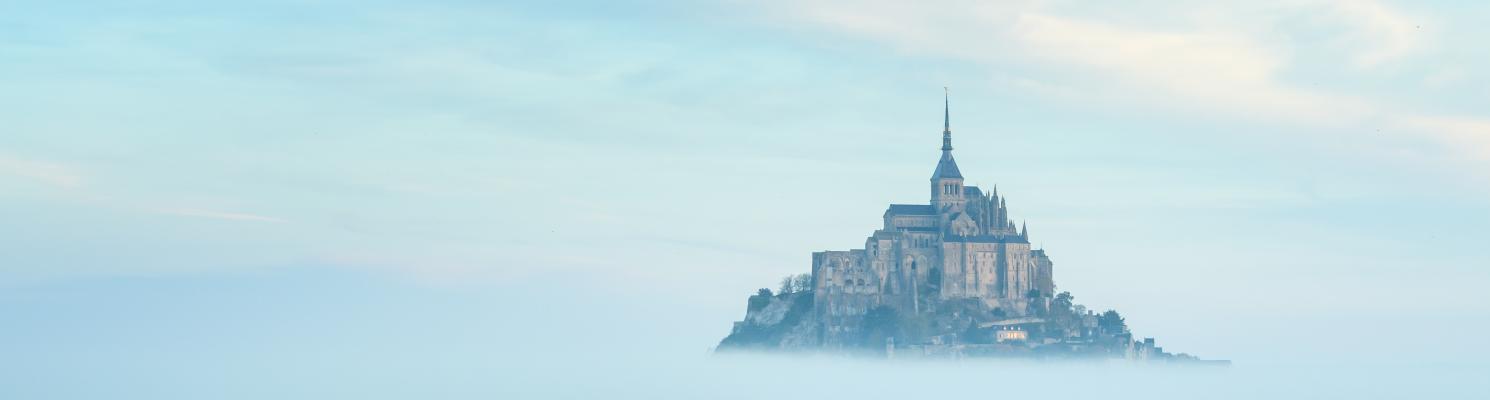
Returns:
(1228, 176)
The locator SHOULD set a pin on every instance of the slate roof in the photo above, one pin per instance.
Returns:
(947, 167)
(910, 209)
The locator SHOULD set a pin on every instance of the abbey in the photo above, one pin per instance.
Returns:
(951, 278)
(962, 245)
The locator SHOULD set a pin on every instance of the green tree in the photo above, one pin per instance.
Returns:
(760, 300)
(1111, 322)
(1061, 316)
(1063, 301)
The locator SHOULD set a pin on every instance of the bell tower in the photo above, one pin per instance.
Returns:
(946, 182)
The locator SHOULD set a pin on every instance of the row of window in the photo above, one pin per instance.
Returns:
(848, 282)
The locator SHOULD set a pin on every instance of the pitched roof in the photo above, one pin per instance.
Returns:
(911, 209)
(946, 167)
(972, 191)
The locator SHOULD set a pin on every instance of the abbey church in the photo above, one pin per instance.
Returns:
(962, 245)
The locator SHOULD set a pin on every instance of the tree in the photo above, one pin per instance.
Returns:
(1060, 307)
(1061, 316)
(1111, 322)
(1066, 298)
(760, 300)
(796, 284)
(803, 282)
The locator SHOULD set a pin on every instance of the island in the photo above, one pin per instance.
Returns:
(955, 278)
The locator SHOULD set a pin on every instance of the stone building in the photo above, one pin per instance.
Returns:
(960, 245)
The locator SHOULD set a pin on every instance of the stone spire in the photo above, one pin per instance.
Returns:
(947, 166)
(947, 192)
(946, 120)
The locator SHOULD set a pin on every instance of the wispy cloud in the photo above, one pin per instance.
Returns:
(224, 215)
(1470, 137)
(1387, 34)
(1225, 70)
(1239, 59)
(44, 172)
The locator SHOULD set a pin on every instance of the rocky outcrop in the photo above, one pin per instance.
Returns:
(772, 322)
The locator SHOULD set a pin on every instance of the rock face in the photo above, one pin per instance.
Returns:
(775, 322)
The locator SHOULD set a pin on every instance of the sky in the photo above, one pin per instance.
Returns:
(431, 192)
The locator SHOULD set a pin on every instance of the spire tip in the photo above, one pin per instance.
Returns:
(946, 120)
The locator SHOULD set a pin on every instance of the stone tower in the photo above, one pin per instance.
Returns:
(946, 182)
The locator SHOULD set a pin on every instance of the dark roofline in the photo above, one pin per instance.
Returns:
(910, 209)
(986, 239)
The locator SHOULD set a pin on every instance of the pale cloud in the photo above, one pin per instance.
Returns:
(1445, 77)
(1468, 138)
(223, 215)
(1224, 66)
(44, 172)
(1387, 33)
(1226, 70)
(1218, 58)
